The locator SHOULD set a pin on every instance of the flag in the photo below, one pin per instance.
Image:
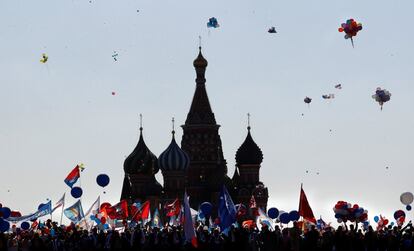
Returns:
(226, 210)
(241, 210)
(60, 203)
(253, 206)
(87, 222)
(249, 224)
(118, 211)
(263, 219)
(45, 209)
(173, 208)
(142, 212)
(189, 232)
(156, 220)
(74, 212)
(94, 209)
(73, 176)
(252, 203)
(321, 224)
(304, 208)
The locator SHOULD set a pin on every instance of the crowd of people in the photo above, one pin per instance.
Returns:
(142, 238)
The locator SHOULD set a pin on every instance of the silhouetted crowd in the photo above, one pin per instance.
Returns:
(242, 239)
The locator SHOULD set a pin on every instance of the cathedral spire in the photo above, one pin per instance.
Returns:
(200, 111)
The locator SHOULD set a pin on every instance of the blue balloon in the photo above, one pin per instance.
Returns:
(273, 212)
(4, 225)
(284, 218)
(408, 207)
(102, 180)
(5, 212)
(76, 192)
(294, 215)
(106, 226)
(376, 218)
(206, 208)
(25, 225)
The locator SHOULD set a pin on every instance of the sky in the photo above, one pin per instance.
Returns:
(59, 114)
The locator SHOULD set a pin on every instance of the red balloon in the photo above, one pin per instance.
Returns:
(103, 220)
(105, 205)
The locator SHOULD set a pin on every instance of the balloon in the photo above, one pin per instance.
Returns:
(44, 58)
(5, 211)
(284, 218)
(206, 208)
(106, 226)
(376, 218)
(76, 192)
(15, 214)
(406, 198)
(102, 180)
(103, 220)
(25, 225)
(273, 212)
(307, 100)
(104, 205)
(351, 28)
(408, 207)
(4, 225)
(398, 214)
(294, 215)
(213, 23)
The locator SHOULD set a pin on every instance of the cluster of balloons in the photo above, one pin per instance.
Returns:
(381, 221)
(44, 58)
(345, 211)
(272, 30)
(283, 217)
(351, 28)
(213, 23)
(307, 100)
(381, 96)
(100, 218)
(328, 96)
(406, 199)
(399, 216)
(5, 213)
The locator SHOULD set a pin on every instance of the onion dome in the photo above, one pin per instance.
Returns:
(249, 153)
(200, 61)
(173, 158)
(141, 160)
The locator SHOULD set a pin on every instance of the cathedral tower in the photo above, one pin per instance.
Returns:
(201, 141)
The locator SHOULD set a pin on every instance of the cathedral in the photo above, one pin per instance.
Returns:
(198, 166)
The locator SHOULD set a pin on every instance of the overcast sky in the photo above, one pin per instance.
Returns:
(61, 113)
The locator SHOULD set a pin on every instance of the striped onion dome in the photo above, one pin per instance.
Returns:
(173, 158)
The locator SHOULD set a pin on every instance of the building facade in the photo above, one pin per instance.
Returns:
(199, 165)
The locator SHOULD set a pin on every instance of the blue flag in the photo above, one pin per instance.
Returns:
(156, 220)
(226, 210)
(74, 212)
(42, 211)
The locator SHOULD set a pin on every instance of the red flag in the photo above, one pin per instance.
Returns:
(118, 211)
(73, 176)
(304, 208)
(253, 206)
(173, 208)
(142, 212)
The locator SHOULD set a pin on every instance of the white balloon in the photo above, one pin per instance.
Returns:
(406, 198)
